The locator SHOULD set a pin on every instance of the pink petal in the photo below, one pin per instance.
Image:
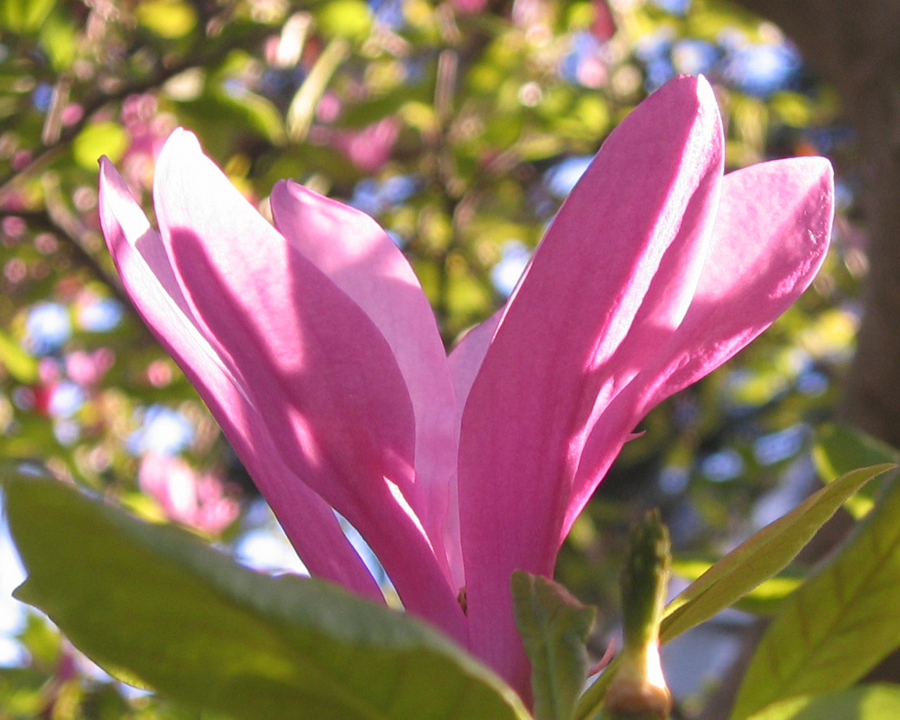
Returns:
(464, 362)
(359, 257)
(140, 258)
(466, 358)
(770, 238)
(324, 377)
(321, 376)
(646, 202)
(326, 380)
(766, 254)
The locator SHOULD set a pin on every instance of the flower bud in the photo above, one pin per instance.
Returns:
(638, 690)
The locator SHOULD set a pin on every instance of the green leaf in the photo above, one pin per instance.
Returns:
(764, 599)
(591, 701)
(839, 624)
(219, 117)
(302, 109)
(793, 108)
(761, 556)
(18, 363)
(102, 138)
(158, 604)
(869, 702)
(350, 19)
(167, 18)
(59, 38)
(42, 641)
(22, 693)
(554, 627)
(24, 16)
(839, 449)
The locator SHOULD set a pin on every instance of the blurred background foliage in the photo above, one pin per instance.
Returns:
(460, 126)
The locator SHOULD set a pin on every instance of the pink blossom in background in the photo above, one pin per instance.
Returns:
(71, 114)
(159, 374)
(21, 158)
(198, 501)
(88, 368)
(469, 6)
(40, 395)
(368, 148)
(329, 108)
(604, 25)
(53, 695)
(148, 129)
(315, 348)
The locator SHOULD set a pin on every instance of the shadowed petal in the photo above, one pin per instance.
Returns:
(648, 200)
(142, 263)
(770, 238)
(766, 254)
(466, 358)
(359, 257)
(322, 377)
(464, 362)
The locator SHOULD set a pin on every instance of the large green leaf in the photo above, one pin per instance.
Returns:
(761, 556)
(869, 702)
(840, 448)
(154, 603)
(554, 627)
(840, 622)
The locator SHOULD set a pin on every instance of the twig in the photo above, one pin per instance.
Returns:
(99, 99)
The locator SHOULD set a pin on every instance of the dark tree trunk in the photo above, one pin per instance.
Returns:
(855, 47)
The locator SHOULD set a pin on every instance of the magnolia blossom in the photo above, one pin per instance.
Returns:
(315, 348)
(469, 6)
(185, 496)
(368, 148)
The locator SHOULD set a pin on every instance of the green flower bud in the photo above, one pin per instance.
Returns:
(638, 691)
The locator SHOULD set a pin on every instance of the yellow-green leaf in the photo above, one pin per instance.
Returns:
(24, 16)
(98, 139)
(764, 599)
(761, 556)
(167, 18)
(869, 702)
(840, 448)
(18, 363)
(350, 19)
(838, 625)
